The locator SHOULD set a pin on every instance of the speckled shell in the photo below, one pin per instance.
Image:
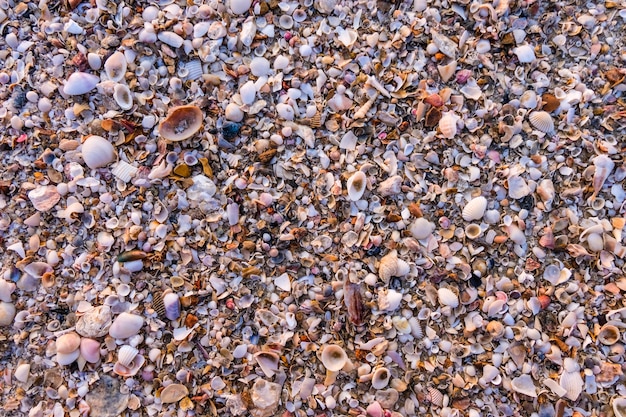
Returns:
(181, 123)
(334, 357)
(356, 185)
(541, 120)
(475, 209)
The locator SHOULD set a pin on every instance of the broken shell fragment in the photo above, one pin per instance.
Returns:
(392, 266)
(524, 385)
(44, 198)
(181, 123)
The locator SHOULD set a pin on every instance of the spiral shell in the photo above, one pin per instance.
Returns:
(542, 121)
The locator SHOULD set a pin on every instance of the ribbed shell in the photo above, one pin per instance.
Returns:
(435, 396)
(475, 208)
(157, 304)
(447, 125)
(126, 355)
(194, 69)
(541, 120)
(124, 171)
(573, 383)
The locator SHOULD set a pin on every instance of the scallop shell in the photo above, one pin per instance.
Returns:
(447, 297)
(124, 171)
(128, 371)
(68, 343)
(334, 358)
(573, 383)
(542, 121)
(380, 378)
(475, 208)
(268, 362)
(123, 97)
(435, 397)
(391, 266)
(157, 304)
(115, 66)
(609, 334)
(447, 125)
(181, 123)
(97, 152)
(80, 83)
(126, 355)
(356, 185)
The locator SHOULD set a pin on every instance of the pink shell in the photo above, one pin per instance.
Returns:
(447, 125)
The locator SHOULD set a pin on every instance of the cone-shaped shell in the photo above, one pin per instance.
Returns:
(97, 152)
(181, 123)
(541, 120)
(475, 209)
(356, 185)
(334, 358)
(380, 378)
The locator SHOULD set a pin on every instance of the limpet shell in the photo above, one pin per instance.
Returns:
(334, 358)
(173, 393)
(542, 121)
(181, 123)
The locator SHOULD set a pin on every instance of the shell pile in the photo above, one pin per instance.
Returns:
(312, 207)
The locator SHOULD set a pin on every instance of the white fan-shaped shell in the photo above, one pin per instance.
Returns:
(97, 152)
(115, 66)
(123, 97)
(475, 209)
(447, 125)
(573, 383)
(194, 69)
(448, 298)
(542, 121)
(334, 358)
(126, 355)
(381, 378)
(80, 83)
(127, 371)
(356, 185)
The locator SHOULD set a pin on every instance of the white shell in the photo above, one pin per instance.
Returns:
(115, 66)
(356, 185)
(447, 297)
(380, 378)
(525, 53)
(573, 383)
(124, 171)
(447, 125)
(391, 266)
(123, 97)
(97, 152)
(126, 355)
(172, 305)
(391, 186)
(194, 69)
(471, 90)
(528, 100)
(542, 121)
(239, 6)
(259, 67)
(268, 362)
(247, 92)
(233, 113)
(421, 228)
(285, 111)
(64, 359)
(22, 372)
(518, 188)
(126, 325)
(334, 358)
(475, 209)
(127, 371)
(6, 289)
(171, 38)
(524, 385)
(80, 83)
(447, 71)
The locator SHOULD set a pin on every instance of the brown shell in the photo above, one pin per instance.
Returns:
(157, 304)
(181, 123)
(432, 117)
(549, 102)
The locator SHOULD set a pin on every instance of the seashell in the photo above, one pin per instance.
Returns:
(80, 83)
(448, 297)
(239, 6)
(334, 358)
(524, 385)
(97, 152)
(126, 325)
(447, 124)
(268, 362)
(38, 269)
(6, 289)
(603, 167)
(447, 71)
(122, 96)
(181, 123)
(619, 406)
(542, 121)
(471, 90)
(380, 378)
(495, 329)
(391, 186)
(475, 209)
(375, 410)
(571, 380)
(421, 228)
(356, 185)
(22, 372)
(528, 100)
(95, 322)
(391, 266)
(389, 300)
(194, 70)
(233, 113)
(525, 54)
(65, 359)
(347, 36)
(435, 397)
(401, 324)
(44, 198)
(131, 370)
(473, 231)
(90, 350)
(171, 305)
(609, 334)
(353, 301)
(115, 66)
(247, 92)
(124, 171)
(126, 355)
(259, 67)
(285, 111)
(518, 188)
(157, 304)
(68, 342)
(170, 38)
(595, 242)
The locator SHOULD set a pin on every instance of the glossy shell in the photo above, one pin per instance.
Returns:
(98, 152)
(181, 123)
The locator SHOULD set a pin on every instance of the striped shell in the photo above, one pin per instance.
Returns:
(475, 208)
(157, 304)
(541, 120)
(435, 397)
(126, 355)
(193, 69)
(124, 171)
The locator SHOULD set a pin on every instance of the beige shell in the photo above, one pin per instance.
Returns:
(447, 297)
(132, 369)
(380, 378)
(126, 355)
(421, 228)
(609, 334)
(68, 343)
(524, 385)
(541, 120)
(173, 393)
(619, 406)
(356, 185)
(475, 208)
(447, 125)
(334, 358)
(495, 329)
(472, 231)
(391, 266)
(181, 123)
(447, 71)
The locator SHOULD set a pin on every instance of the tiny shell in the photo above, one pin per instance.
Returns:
(356, 185)
(334, 358)
(97, 152)
(609, 334)
(171, 304)
(448, 298)
(472, 231)
(181, 123)
(475, 209)
(380, 378)
(447, 71)
(126, 325)
(571, 381)
(80, 83)
(115, 66)
(68, 342)
(542, 121)
(132, 369)
(173, 393)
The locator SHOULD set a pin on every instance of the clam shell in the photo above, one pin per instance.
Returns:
(90, 350)
(173, 393)
(194, 70)
(128, 371)
(356, 185)
(68, 343)
(447, 297)
(528, 100)
(80, 83)
(239, 6)
(525, 53)
(65, 359)
(268, 362)
(421, 228)
(124, 171)
(334, 358)
(22, 372)
(609, 334)
(97, 152)
(573, 383)
(95, 322)
(126, 325)
(181, 123)
(115, 66)
(126, 355)
(542, 121)
(380, 378)
(475, 209)
(157, 304)
(472, 231)
(122, 96)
